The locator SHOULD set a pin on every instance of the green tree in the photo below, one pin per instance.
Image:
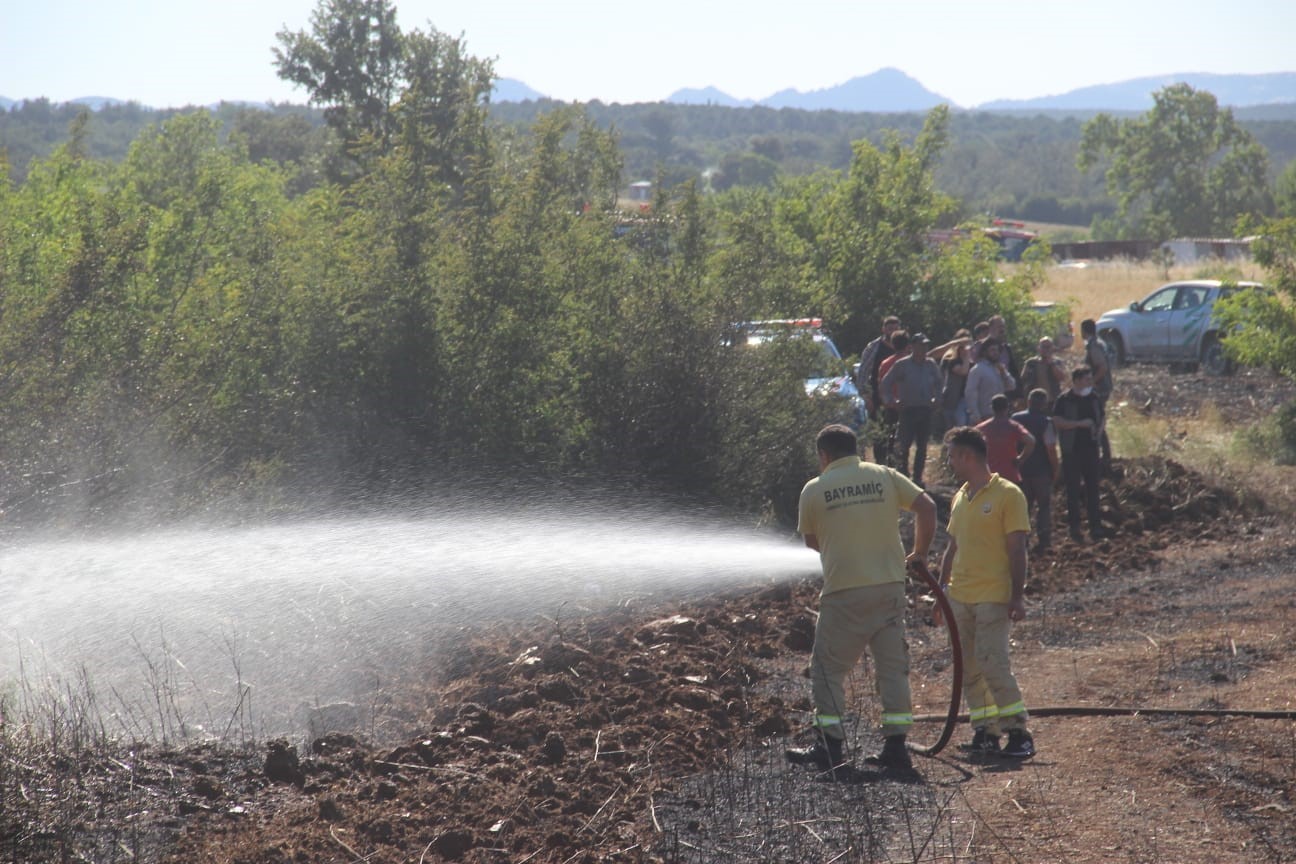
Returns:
(351, 62)
(1263, 324)
(441, 113)
(1285, 190)
(385, 90)
(872, 256)
(660, 123)
(744, 169)
(1186, 168)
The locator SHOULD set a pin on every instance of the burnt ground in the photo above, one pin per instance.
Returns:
(657, 735)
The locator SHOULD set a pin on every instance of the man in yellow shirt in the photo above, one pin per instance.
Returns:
(984, 567)
(848, 514)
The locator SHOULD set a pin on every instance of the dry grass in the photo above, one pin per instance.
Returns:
(1211, 444)
(1102, 285)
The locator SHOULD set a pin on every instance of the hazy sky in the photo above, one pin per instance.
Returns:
(177, 52)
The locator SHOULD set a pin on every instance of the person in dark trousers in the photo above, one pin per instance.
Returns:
(1080, 421)
(884, 434)
(984, 568)
(915, 384)
(1041, 469)
(955, 366)
(1096, 359)
(848, 515)
(867, 381)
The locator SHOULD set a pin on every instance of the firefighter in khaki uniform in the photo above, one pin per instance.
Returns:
(848, 514)
(984, 567)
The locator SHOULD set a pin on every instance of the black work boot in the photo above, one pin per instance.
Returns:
(893, 756)
(984, 743)
(825, 754)
(1020, 744)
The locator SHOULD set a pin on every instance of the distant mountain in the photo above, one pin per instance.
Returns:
(707, 96)
(94, 103)
(1267, 96)
(886, 90)
(512, 90)
(1136, 94)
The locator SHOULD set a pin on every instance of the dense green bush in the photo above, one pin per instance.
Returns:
(195, 322)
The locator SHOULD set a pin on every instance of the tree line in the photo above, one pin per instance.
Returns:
(1014, 166)
(432, 297)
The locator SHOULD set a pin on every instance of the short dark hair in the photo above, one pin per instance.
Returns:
(966, 436)
(1088, 327)
(999, 404)
(1038, 398)
(1079, 372)
(837, 441)
(980, 328)
(900, 340)
(891, 319)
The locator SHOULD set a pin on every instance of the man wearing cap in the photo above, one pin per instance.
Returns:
(914, 385)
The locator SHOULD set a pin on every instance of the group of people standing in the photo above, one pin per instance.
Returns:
(913, 390)
(1007, 464)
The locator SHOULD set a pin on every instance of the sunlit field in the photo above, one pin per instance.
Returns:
(1200, 435)
(1102, 285)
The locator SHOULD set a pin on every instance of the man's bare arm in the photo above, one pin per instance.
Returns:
(924, 510)
(1016, 542)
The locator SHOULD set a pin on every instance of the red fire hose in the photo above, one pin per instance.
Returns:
(956, 697)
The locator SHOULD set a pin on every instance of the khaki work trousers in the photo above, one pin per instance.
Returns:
(993, 697)
(871, 616)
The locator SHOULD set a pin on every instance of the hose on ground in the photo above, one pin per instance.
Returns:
(952, 716)
(1129, 711)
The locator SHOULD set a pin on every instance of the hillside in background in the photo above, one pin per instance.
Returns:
(512, 90)
(1278, 88)
(1018, 164)
(891, 90)
(886, 90)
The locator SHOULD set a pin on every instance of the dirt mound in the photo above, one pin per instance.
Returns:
(1152, 505)
(1154, 492)
(550, 745)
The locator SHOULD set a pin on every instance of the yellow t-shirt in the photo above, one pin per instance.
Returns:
(980, 525)
(851, 508)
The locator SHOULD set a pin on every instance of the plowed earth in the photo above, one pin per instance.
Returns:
(657, 734)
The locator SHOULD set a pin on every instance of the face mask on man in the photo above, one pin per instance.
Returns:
(1084, 391)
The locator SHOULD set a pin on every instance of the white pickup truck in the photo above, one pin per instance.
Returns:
(1173, 324)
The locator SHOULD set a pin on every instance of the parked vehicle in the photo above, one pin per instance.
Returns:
(1173, 324)
(828, 377)
(1011, 237)
(1055, 322)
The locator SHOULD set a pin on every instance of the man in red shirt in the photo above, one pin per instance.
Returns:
(1008, 443)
